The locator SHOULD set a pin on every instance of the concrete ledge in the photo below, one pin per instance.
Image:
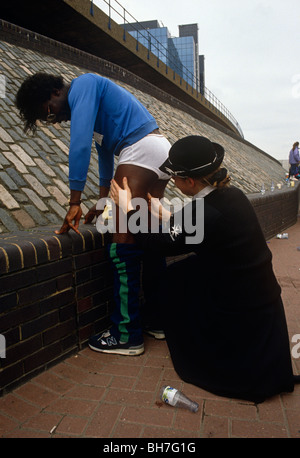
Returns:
(19, 36)
(101, 36)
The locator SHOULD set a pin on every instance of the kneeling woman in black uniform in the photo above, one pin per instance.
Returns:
(222, 311)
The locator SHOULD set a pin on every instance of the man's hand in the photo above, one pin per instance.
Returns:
(74, 214)
(91, 214)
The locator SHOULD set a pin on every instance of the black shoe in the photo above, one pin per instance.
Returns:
(157, 333)
(106, 343)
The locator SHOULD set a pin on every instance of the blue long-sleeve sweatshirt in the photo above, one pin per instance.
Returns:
(115, 118)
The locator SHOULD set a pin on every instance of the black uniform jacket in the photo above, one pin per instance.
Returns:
(223, 315)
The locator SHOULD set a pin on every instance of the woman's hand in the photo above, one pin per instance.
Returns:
(121, 197)
(74, 214)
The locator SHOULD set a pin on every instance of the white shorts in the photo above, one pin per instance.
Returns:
(150, 153)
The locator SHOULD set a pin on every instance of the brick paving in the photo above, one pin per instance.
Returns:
(93, 395)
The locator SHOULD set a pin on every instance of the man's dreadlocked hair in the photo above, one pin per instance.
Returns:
(33, 93)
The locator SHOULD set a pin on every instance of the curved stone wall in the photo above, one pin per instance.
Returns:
(34, 170)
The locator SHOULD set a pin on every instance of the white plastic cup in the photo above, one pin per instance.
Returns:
(176, 398)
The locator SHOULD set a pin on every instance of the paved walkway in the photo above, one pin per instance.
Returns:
(104, 396)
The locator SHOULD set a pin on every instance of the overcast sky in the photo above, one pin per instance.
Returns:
(252, 60)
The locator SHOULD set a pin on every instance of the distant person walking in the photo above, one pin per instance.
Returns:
(294, 160)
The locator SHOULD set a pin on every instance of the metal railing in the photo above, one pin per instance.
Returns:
(116, 12)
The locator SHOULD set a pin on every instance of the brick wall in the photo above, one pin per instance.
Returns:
(55, 291)
(276, 210)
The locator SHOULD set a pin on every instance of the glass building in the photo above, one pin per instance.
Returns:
(186, 50)
(179, 53)
(155, 40)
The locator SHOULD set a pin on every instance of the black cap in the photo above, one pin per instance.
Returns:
(193, 156)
